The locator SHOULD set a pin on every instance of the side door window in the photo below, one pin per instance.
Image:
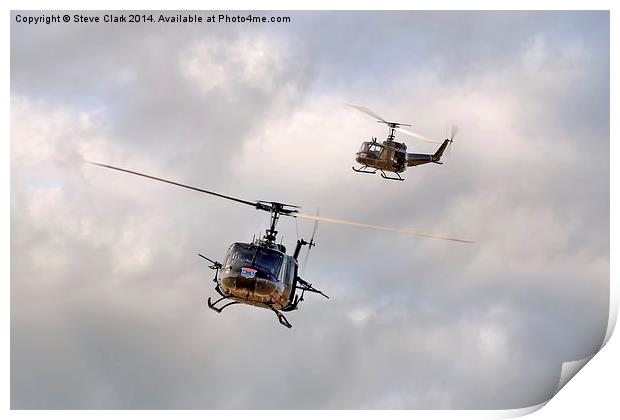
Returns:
(290, 275)
(228, 259)
(283, 270)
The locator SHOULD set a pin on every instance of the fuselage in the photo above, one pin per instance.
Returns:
(258, 275)
(388, 156)
(393, 157)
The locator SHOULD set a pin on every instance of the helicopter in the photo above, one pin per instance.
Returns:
(260, 273)
(392, 156)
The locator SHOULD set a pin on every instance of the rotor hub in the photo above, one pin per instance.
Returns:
(275, 209)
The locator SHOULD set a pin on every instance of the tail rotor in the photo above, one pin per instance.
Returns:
(453, 131)
(311, 243)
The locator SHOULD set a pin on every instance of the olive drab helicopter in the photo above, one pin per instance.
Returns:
(260, 273)
(392, 156)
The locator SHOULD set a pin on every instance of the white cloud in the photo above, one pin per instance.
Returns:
(359, 317)
(214, 63)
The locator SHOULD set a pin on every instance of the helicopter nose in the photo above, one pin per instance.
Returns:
(256, 286)
(264, 288)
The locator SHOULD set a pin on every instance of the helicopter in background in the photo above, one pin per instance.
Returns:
(392, 156)
(260, 273)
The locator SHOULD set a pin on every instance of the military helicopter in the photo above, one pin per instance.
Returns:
(260, 273)
(392, 156)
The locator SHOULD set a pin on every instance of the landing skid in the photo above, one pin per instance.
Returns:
(363, 170)
(384, 176)
(213, 305)
(281, 317)
(220, 309)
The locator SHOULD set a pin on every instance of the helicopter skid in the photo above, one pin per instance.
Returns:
(282, 319)
(220, 309)
(363, 170)
(384, 176)
(213, 305)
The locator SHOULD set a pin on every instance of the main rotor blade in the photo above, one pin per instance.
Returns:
(417, 136)
(400, 129)
(368, 112)
(389, 229)
(253, 204)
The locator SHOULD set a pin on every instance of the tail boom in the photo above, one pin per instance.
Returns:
(415, 159)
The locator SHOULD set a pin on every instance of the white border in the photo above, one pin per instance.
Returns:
(594, 391)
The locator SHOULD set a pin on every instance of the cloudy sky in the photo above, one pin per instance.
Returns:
(108, 296)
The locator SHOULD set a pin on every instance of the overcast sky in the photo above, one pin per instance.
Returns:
(108, 296)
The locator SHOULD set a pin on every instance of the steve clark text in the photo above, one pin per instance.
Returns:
(237, 17)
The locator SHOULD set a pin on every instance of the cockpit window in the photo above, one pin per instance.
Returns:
(283, 270)
(287, 272)
(373, 149)
(291, 270)
(268, 260)
(241, 253)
